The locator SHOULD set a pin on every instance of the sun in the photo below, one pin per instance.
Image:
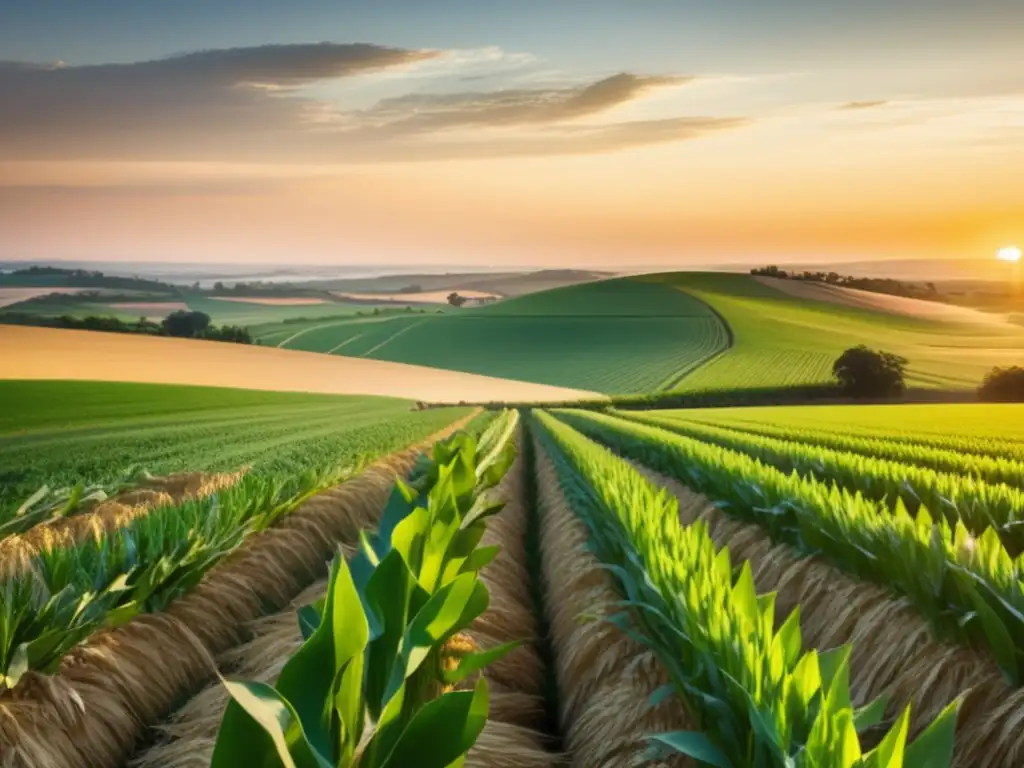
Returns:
(1009, 253)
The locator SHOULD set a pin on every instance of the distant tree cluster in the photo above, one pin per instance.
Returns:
(1003, 385)
(456, 300)
(874, 284)
(257, 288)
(864, 372)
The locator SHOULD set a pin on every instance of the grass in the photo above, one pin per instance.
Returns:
(616, 337)
(93, 432)
(781, 340)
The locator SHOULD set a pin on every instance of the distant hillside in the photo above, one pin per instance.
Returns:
(503, 283)
(783, 339)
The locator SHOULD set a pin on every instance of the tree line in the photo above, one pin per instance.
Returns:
(884, 285)
(180, 324)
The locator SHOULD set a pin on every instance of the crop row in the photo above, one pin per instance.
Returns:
(993, 469)
(979, 505)
(976, 429)
(753, 694)
(966, 585)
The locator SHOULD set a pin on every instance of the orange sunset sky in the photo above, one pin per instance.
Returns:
(536, 134)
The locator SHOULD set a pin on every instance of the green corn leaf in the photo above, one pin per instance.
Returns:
(871, 714)
(307, 679)
(261, 729)
(890, 751)
(442, 731)
(453, 608)
(934, 747)
(694, 745)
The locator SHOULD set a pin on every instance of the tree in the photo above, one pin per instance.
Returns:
(1003, 385)
(455, 300)
(864, 372)
(186, 324)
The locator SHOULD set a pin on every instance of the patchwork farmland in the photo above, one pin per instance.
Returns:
(870, 574)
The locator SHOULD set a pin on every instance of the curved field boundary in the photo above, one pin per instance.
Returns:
(730, 342)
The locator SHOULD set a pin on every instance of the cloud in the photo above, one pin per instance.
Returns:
(428, 112)
(858, 105)
(193, 101)
(266, 104)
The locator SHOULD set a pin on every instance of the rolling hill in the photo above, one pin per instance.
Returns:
(618, 336)
(674, 331)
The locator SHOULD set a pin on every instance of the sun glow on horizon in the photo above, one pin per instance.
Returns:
(1009, 253)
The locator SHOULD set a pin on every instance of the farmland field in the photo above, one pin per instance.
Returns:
(94, 432)
(616, 336)
(893, 559)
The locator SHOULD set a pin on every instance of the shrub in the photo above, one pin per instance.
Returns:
(864, 372)
(1003, 385)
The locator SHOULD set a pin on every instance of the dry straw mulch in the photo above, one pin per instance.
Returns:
(605, 679)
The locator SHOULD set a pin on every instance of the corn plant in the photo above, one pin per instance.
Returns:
(980, 505)
(756, 697)
(374, 683)
(966, 585)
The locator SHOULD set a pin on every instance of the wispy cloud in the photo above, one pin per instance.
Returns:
(273, 104)
(859, 105)
(421, 112)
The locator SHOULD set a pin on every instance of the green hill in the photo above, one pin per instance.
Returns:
(675, 331)
(616, 336)
(782, 340)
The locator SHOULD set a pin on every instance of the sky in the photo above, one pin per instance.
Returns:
(662, 133)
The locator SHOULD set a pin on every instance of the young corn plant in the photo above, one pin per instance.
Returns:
(384, 677)
(757, 698)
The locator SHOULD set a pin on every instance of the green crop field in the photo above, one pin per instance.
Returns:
(781, 340)
(822, 562)
(617, 337)
(996, 429)
(94, 432)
